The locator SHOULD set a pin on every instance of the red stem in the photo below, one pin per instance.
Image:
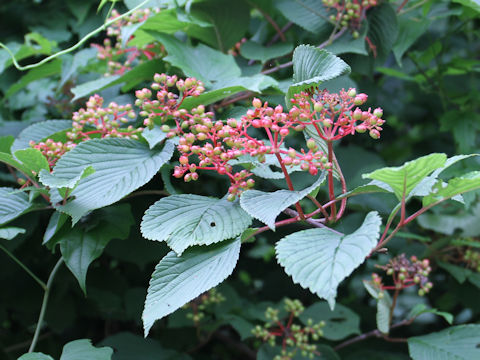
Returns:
(331, 189)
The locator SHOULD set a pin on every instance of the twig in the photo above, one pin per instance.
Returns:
(282, 31)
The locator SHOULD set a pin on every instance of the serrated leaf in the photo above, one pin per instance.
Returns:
(35, 356)
(454, 343)
(83, 349)
(406, 177)
(382, 29)
(121, 166)
(312, 66)
(255, 51)
(186, 220)
(266, 206)
(339, 323)
(319, 259)
(33, 159)
(56, 182)
(384, 305)
(12, 204)
(309, 14)
(423, 309)
(154, 136)
(39, 131)
(9, 233)
(178, 280)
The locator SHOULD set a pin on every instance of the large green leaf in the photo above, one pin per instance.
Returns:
(12, 204)
(229, 22)
(202, 62)
(455, 186)
(35, 356)
(83, 349)
(80, 247)
(309, 14)
(382, 29)
(178, 280)
(256, 51)
(339, 323)
(166, 21)
(312, 66)
(266, 206)
(9, 233)
(39, 131)
(319, 259)
(455, 343)
(472, 4)
(121, 166)
(403, 179)
(410, 28)
(33, 159)
(186, 220)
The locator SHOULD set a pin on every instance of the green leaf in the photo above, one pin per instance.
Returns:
(340, 323)
(53, 181)
(268, 352)
(33, 159)
(154, 136)
(50, 68)
(166, 21)
(54, 225)
(472, 4)
(90, 87)
(39, 131)
(455, 186)
(266, 206)
(309, 14)
(201, 62)
(373, 186)
(12, 204)
(229, 23)
(10, 160)
(35, 356)
(382, 29)
(406, 177)
(319, 259)
(6, 143)
(348, 44)
(410, 28)
(121, 166)
(466, 223)
(420, 309)
(312, 66)
(83, 349)
(255, 51)
(80, 247)
(454, 343)
(186, 220)
(178, 280)
(9, 233)
(384, 305)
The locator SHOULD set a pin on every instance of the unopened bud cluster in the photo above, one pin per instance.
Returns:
(337, 115)
(120, 59)
(349, 13)
(294, 337)
(203, 304)
(94, 121)
(472, 258)
(406, 273)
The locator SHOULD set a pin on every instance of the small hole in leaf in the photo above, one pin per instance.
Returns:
(338, 320)
(212, 224)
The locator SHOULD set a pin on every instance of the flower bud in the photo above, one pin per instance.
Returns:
(257, 103)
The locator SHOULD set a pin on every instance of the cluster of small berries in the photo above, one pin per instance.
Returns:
(295, 338)
(92, 122)
(406, 273)
(472, 258)
(202, 304)
(336, 115)
(120, 59)
(349, 13)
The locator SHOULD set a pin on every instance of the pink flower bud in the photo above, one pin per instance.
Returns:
(360, 99)
(257, 103)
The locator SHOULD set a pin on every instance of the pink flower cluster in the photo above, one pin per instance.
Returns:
(120, 59)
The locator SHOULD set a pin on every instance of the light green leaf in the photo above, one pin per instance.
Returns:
(35, 356)
(454, 343)
(33, 159)
(6, 143)
(373, 186)
(121, 166)
(319, 259)
(455, 186)
(406, 177)
(266, 206)
(154, 136)
(92, 86)
(472, 4)
(466, 223)
(178, 280)
(10, 160)
(256, 51)
(202, 62)
(9, 233)
(186, 220)
(312, 66)
(53, 181)
(83, 349)
(309, 14)
(165, 21)
(339, 323)
(384, 305)
(12, 204)
(420, 309)
(39, 131)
